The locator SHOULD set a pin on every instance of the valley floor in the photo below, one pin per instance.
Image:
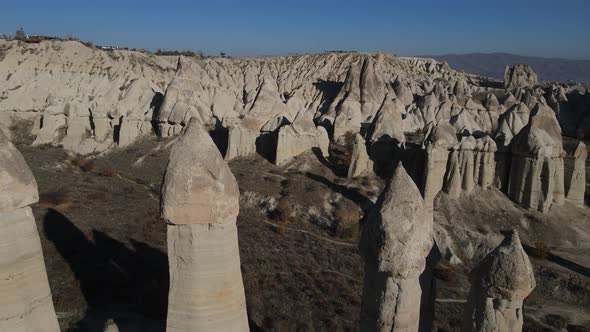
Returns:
(105, 245)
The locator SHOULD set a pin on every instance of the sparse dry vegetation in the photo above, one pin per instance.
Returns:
(56, 199)
(540, 250)
(107, 172)
(85, 164)
(347, 218)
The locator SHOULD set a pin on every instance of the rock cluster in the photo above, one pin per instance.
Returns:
(499, 284)
(280, 107)
(519, 76)
(471, 164)
(25, 304)
(84, 99)
(395, 242)
(200, 204)
(536, 171)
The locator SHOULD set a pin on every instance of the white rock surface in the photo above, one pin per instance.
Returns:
(395, 242)
(83, 98)
(519, 76)
(577, 181)
(499, 284)
(299, 137)
(537, 172)
(360, 164)
(200, 203)
(25, 298)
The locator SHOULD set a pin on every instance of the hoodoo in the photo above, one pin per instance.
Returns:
(499, 284)
(577, 180)
(25, 301)
(200, 204)
(396, 240)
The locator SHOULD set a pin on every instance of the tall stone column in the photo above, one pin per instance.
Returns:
(25, 298)
(536, 179)
(499, 284)
(396, 241)
(438, 143)
(199, 201)
(577, 181)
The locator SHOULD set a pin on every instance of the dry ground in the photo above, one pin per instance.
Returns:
(105, 246)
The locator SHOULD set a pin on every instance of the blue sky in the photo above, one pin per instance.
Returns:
(557, 28)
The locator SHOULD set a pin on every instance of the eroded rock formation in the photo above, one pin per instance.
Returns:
(438, 142)
(85, 99)
(519, 76)
(576, 188)
(395, 242)
(25, 301)
(499, 284)
(279, 107)
(360, 164)
(200, 204)
(536, 172)
(302, 135)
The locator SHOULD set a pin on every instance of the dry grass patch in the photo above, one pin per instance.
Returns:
(347, 221)
(107, 172)
(85, 164)
(58, 199)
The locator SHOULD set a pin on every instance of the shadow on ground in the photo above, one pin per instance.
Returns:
(121, 285)
(113, 277)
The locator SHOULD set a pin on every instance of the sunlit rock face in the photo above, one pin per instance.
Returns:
(84, 99)
(200, 203)
(519, 76)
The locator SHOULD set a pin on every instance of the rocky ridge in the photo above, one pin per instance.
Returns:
(89, 101)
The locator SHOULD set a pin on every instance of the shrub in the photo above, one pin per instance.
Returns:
(556, 321)
(283, 211)
(341, 152)
(58, 199)
(540, 251)
(107, 172)
(347, 221)
(86, 165)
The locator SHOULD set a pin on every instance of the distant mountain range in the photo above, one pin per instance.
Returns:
(492, 65)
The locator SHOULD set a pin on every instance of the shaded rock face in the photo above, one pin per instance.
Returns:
(499, 285)
(395, 242)
(200, 204)
(519, 76)
(26, 304)
(438, 142)
(360, 164)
